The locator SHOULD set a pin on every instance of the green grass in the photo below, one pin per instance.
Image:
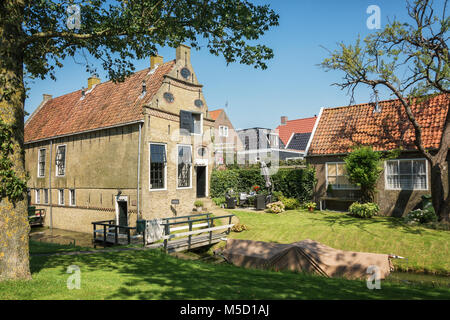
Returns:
(151, 274)
(427, 250)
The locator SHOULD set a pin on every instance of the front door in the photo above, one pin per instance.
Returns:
(123, 218)
(201, 181)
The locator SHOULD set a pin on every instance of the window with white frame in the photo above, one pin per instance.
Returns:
(46, 196)
(158, 163)
(184, 166)
(61, 160)
(337, 176)
(41, 163)
(72, 197)
(223, 131)
(38, 196)
(61, 197)
(406, 174)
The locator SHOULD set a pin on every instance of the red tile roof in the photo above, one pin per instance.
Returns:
(304, 125)
(339, 129)
(214, 114)
(108, 104)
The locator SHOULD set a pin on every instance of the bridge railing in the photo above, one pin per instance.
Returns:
(203, 225)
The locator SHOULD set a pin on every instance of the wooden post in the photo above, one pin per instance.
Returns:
(128, 236)
(229, 222)
(190, 229)
(166, 233)
(104, 234)
(116, 236)
(210, 223)
(93, 226)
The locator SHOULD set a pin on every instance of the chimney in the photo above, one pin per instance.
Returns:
(155, 61)
(46, 97)
(284, 120)
(93, 81)
(183, 53)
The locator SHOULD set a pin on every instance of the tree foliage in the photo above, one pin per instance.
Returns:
(363, 167)
(116, 32)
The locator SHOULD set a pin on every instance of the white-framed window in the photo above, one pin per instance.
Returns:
(61, 160)
(223, 131)
(406, 174)
(41, 163)
(72, 199)
(158, 166)
(38, 196)
(184, 166)
(61, 197)
(46, 196)
(337, 176)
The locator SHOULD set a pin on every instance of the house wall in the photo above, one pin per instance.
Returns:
(392, 202)
(98, 165)
(162, 124)
(225, 147)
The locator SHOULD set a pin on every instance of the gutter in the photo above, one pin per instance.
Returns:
(139, 173)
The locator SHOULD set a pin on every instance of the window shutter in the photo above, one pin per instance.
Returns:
(186, 122)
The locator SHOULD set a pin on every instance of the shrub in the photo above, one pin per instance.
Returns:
(198, 203)
(292, 183)
(239, 228)
(277, 195)
(219, 201)
(275, 207)
(421, 216)
(289, 203)
(364, 210)
(310, 205)
(363, 167)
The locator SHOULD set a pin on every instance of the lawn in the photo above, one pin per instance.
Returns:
(152, 274)
(426, 250)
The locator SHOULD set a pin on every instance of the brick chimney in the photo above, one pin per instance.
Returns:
(46, 97)
(284, 120)
(155, 61)
(183, 53)
(92, 81)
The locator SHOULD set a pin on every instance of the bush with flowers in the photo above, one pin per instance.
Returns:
(421, 216)
(275, 207)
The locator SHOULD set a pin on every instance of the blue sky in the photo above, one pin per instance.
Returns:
(292, 86)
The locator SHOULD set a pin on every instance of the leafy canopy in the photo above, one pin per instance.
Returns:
(116, 32)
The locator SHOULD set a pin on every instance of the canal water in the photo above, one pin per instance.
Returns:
(45, 234)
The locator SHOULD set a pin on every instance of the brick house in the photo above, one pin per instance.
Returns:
(121, 151)
(296, 134)
(385, 127)
(226, 140)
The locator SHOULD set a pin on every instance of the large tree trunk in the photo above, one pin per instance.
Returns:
(14, 227)
(439, 191)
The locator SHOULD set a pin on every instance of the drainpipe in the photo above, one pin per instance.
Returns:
(139, 174)
(50, 185)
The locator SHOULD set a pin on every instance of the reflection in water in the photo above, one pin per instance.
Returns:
(63, 237)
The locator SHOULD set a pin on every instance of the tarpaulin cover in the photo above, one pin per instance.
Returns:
(305, 256)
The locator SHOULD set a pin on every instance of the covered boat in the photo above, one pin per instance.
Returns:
(306, 256)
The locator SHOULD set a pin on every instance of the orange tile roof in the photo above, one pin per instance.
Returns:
(304, 125)
(339, 129)
(214, 114)
(108, 104)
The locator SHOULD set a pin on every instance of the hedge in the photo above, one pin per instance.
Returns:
(293, 183)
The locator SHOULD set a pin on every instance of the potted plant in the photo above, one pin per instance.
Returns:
(311, 206)
(198, 205)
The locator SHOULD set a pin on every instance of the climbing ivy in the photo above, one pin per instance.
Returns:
(11, 186)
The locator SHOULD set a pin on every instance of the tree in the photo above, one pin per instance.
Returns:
(36, 38)
(411, 61)
(363, 169)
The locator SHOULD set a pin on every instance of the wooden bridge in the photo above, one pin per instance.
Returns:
(176, 234)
